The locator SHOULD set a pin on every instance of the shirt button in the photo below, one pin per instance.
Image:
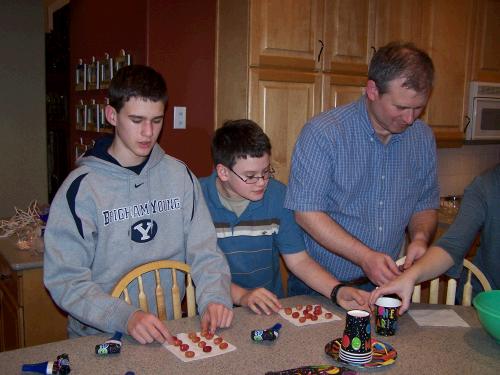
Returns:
(381, 203)
(380, 229)
(371, 139)
(383, 177)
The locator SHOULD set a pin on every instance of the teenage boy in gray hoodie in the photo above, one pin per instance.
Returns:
(126, 204)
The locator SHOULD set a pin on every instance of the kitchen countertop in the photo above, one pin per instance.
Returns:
(421, 350)
(18, 259)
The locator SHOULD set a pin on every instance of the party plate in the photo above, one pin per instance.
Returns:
(383, 354)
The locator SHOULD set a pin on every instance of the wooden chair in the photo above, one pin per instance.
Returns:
(451, 288)
(121, 288)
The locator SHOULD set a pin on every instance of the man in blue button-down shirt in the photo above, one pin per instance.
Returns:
(364, 173)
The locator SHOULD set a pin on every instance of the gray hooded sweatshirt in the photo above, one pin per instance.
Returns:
(106, 220)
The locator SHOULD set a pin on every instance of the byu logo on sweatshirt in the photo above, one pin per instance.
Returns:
(144, 230)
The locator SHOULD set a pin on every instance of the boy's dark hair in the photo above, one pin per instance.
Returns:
(402, 60)
(238, 139)
(136, 81)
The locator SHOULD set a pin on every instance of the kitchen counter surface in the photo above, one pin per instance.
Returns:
(18, 259)
(421, 350)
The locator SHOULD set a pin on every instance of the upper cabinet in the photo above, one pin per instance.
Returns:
(280, 62)
(447, 39)
(486, 57)
(348, 36)
(286, 33)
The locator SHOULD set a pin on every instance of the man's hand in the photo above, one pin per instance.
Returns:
(379, 268)
(261, 300)
(353, 299)
(216, 315)
(146, 328)
(402, 286)
(416, 249)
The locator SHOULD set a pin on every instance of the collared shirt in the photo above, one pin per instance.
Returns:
(371, 189)
(253, 241)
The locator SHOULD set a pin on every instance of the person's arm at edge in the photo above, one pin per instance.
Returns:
(435, 262)
(422, 228)
(316, 277)
(379, 267)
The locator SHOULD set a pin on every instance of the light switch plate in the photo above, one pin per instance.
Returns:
(179, 117)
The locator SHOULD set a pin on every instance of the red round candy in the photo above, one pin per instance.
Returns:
(184, 347)
(288, 311)
(223, 345)
(295, 315)
(189, 354)
(218, 340)
(207, 348)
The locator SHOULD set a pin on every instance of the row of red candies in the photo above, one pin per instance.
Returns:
(202, 344)
(316, 312)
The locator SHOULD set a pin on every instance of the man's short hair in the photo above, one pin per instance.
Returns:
(402, 60)
(239, 139)
(136, 81)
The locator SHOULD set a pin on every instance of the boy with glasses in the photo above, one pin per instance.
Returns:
(253, 227)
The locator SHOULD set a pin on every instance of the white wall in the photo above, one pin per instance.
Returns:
(23, 161)
(457, 167)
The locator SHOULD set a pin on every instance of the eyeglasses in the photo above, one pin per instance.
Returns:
(254, 179)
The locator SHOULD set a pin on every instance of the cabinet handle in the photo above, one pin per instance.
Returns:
(467, 119)
(321, 49)
(4, 277)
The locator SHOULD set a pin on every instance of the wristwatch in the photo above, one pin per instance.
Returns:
(335, 291)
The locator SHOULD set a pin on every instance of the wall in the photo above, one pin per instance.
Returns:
(182, 47)
(22, 105)
(457, 167)
(177, 38)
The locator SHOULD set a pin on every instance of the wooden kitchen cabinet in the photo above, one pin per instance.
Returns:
(447, 35)
(348, 36)
(271, 68)
(28, 316)
(281, 102)
(286, 33)
(486, 56)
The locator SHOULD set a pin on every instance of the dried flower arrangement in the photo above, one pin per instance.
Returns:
(27, 225)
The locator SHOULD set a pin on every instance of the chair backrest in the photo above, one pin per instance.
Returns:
(121, 288)
(451, 288)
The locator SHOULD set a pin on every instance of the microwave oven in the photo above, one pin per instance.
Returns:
(484, 112)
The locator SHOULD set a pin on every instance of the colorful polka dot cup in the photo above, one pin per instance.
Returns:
(386, 316)
(356, 340)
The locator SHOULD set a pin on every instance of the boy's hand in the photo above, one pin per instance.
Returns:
(146, 328)
(261, 299)
(216, 315)
(353, 299)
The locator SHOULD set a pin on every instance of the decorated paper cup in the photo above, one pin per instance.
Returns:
(386, 315)
(356, 341)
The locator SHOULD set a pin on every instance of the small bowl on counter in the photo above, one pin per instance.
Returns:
(487, 304)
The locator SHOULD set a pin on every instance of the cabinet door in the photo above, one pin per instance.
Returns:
(285, 33)
(348, 35)
(282, 102)
(11, 323)
(486, 65)
(398, 20)
(339, 90)
(448, 31)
